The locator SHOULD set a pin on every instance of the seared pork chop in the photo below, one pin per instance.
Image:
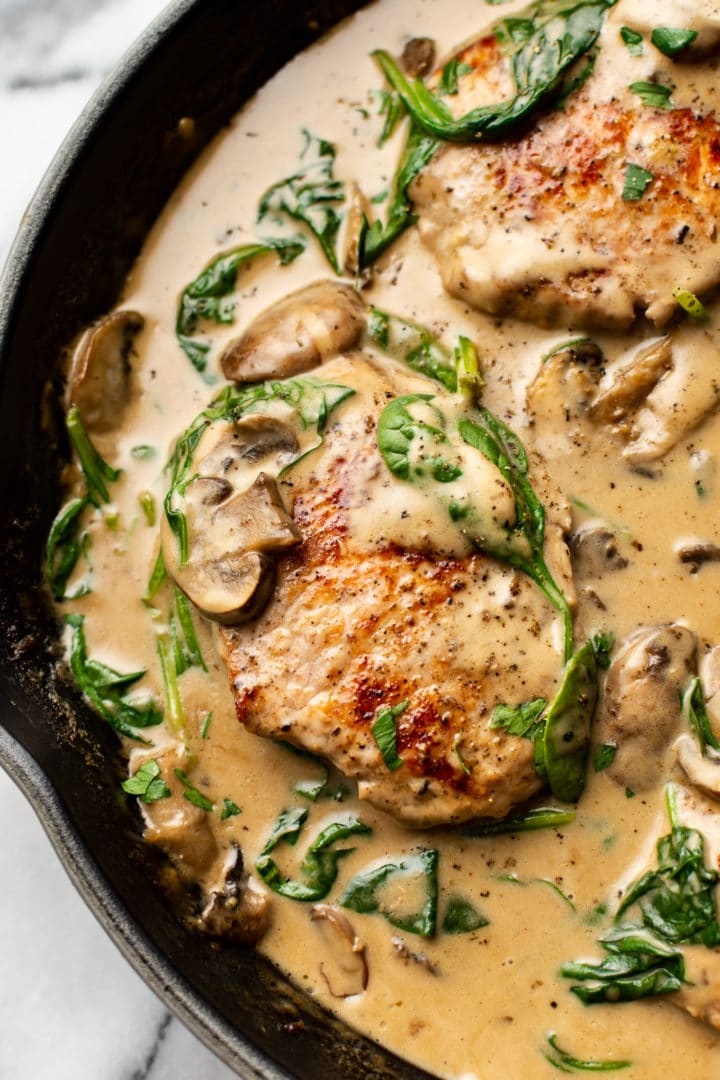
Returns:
(380, 607)
(536, 225)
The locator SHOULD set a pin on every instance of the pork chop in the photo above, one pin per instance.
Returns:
(536, 225)
(378, 609)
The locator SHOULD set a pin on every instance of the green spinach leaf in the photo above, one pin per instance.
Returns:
(192, 794)
(364, 893)
(319, 867)
(565, 1062)
(542, 817)
(207, 296)
(147, 783)
(310, 195)
(385, 733)
(672, 42)
(462, 917)
(542, 43)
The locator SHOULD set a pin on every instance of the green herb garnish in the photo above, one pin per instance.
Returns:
(205, 729)
(560, 1059)
(690, 303)
(653, 94)
(64, 547)
(320, 865)
(143, 452)
(207, 297)
(543, 817)
(364, 893)
(391, 108)
(462, 917)
(147, 783)
(385, 733)
(95, 469)
(106, 688)
(633, 40)
(604, 756)
(523, 547)
(311, 195)
(603, 644)
(174, 713)
(192, 794)
(677, 906)
(694, 708)
(672, 42)
(376, 236)
(636, 181)
(230, 809)
(412, 344)
(542, 42)
(453, 70)
(522, 720)
(147, 505)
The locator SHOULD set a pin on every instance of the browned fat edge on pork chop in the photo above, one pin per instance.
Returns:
(354, 627)
(536, 226)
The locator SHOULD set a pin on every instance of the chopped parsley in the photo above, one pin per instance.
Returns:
(633, 40)
(147, 783)
(653, 94)
(385, 733)
(636, 181)
(230, 809)
(192, 794)
(672, 42)
(604, 756)
(690, 303)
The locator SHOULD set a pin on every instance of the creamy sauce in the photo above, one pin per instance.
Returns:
(484, 1003)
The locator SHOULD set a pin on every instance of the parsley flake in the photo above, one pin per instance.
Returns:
(633, 40)
(652, 94)
(147, 783)
(636, 181)
(672, 42)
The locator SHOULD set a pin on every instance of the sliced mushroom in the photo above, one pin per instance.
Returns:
(236, 911)
(595, 551)
(561, 394)
(702, 770)
(344, 966)
(419, 958)
(633, 382)
(236, 521)
(418, 56)
(99, 380)
(357, 213)
(667, 389)
(710, 678)
(695, 552)
(175, 824)
(297, 333)
(641, 709)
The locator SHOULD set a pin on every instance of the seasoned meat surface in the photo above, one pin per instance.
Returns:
(359, 623)
(536, 226)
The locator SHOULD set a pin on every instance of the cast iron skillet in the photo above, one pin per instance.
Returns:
(202, 58)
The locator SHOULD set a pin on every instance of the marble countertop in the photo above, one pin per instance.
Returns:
(71, 1006)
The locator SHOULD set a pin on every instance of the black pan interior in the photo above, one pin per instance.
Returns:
(202, 59)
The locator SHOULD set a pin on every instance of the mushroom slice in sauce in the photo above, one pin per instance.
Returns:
(418, 56)
(710, 678)
(595, 551)
(175, 824)
(702, 770)
(99, 381)
(641, 708)
(236, 910)
(344, 965)
(233, 534)
(560, 396)
(297, 334)
(669, 386)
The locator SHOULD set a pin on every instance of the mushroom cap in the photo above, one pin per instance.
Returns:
(99, 379)
(344, 965)
(235, 520)
(296, 334)
(235, 910)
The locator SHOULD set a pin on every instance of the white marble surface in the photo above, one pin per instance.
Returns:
(71, 1007)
